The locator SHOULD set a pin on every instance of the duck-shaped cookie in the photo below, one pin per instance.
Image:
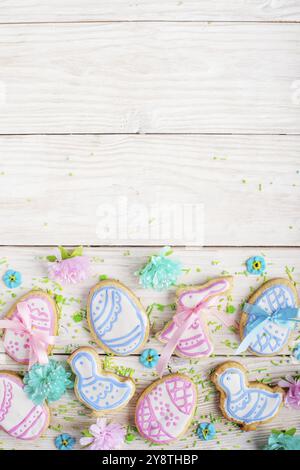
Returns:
(246, 403)
(99, 390)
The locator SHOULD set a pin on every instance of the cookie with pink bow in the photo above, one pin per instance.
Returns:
(30, 328)
(187, 334)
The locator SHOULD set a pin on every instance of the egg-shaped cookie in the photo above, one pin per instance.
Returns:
(117, 319)
(166, 408)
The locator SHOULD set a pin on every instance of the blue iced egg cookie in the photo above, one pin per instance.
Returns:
(270, 316)
(116, 317)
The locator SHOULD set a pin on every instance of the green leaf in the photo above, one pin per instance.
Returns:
(77, 252)
(230, 309)
(291, 432)
(64, 253)
(129, 438)
(169, 252)
(86, 433)
(51, 258)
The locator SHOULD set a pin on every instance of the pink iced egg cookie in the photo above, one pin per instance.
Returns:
(19, 417)
(165, 409)
(43, 316)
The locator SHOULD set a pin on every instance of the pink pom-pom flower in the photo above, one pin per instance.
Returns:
(104, 436)
(68, 268)
(292, 397)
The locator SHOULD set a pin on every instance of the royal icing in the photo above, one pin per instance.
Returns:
(166, 408)
(270, 339)
(247, 404)
(19, 417)
(117, 319)
(43, 316)
(97, 389)
(195, 341)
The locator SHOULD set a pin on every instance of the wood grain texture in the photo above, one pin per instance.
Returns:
(70, 416)
(150, 78)
(121, 263)
(12, 11)
(56, 186)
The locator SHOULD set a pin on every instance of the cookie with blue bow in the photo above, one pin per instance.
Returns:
(269, 317)
(117, 319)
(99, 390)
(248, 404)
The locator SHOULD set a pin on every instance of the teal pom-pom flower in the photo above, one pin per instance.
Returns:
(160, 272)
(47, 382)
(206, 431)
(283, 440)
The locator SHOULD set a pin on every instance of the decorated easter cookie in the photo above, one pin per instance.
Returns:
(187, 333)
(246, 403)
(269, 317)
(99, 390)
(30, 327)
(166, 408)
(116, 318)
(19, 417)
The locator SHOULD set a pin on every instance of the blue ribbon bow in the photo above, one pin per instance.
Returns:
(283, 316)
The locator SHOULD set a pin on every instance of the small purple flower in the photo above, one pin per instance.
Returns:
(292, 397)
(104, 436)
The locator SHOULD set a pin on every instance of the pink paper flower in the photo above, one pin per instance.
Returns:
(68, 268)
(292, 397)
(104, 436)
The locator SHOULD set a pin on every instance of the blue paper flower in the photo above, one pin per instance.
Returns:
(12, 279)
(206, 431)
(64, 442)
(47, 382)
(149, 358)
(256, 265)
(160, 272)
(296, 352)
(283, 440)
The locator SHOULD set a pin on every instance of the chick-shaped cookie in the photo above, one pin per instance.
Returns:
(246, 403)
(99, 390)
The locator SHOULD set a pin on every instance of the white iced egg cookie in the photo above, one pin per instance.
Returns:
(99, 390)
(246, 403)
(165, 409)
(19, 417)
(117, 319)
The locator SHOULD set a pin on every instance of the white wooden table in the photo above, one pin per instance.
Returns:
(176, 101)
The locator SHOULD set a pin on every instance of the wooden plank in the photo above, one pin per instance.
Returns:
(69, 416)
(149, 78)
(122, 263)
(13, 11)
(59, 187)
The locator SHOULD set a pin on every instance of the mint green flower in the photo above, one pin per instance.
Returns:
(283, 440)
(160, 272)
(47, 382)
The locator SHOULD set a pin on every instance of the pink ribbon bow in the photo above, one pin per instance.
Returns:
(183, 319)
(38, 341)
